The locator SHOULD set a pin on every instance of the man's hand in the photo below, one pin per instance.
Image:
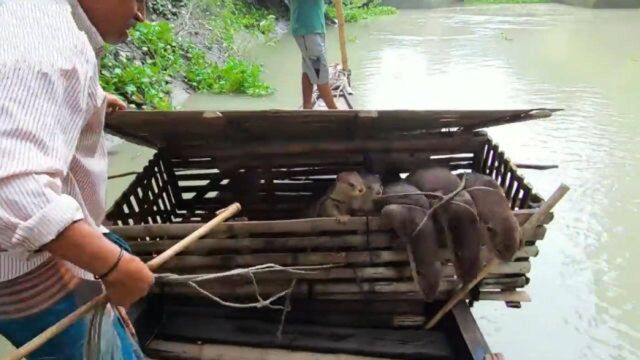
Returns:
(130, 281)
(115, 104)
(83, 246)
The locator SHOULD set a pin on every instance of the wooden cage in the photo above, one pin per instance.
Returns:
(275, 164)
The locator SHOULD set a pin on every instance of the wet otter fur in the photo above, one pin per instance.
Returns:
(494, 210)
(366, 205)
(467, 235)
(457, 219)
(434, 179)
(474, 179)
(392, 194)
(419, 234)
(341, 199)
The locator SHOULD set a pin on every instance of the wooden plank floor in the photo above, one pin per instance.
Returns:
(184, 351)
(385, 343)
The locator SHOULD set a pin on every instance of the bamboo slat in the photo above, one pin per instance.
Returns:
(363, 273)
(334, 290)
(460, 143)
(147, 199)
(222, 245)
(200, 171)
(500, 170)
(206, 308)
(516, 296)
(299, 226)
(192, 262)
(157, 129)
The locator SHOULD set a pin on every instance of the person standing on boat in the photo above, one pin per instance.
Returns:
(53, 176)
(308, 29)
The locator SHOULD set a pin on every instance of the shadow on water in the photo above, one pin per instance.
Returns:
(584, 282)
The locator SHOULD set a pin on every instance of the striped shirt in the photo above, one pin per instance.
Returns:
(35, 291)
(53, 156)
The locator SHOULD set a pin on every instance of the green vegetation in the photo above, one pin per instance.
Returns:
(228, 17)
(358, 10)
(234, 76)
(166, 9)
(142, 71)
(158, 53)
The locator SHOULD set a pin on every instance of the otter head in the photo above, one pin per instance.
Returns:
(350, 183)
(505, 237)
(373, 186)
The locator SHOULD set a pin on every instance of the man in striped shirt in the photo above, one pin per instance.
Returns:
(53, 164)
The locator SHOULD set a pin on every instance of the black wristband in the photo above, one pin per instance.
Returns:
(113, 267)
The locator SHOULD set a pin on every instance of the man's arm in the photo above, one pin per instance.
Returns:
(42, 113)
(86, 248)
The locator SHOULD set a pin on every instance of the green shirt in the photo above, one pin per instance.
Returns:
(307, 17)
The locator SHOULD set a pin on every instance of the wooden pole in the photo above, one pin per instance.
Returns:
(341, 34)
(154, 264)
(529, 227)
(462, 292)
(535, 166)
(117, 176)
(536, 219)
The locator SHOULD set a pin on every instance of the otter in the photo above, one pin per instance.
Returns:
(467, 235)
(341, 198)
(366, 204)
(419, 235)
(435, 179)
(474, 179)
(456, 219)
(393, 194)
(495, 212)
(405, 210)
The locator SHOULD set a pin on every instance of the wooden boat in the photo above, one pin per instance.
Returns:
(340, 87)
(275, 163)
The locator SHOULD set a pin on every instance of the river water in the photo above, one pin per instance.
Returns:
(585, 283)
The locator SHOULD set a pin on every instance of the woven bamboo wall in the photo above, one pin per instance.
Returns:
(174, 190)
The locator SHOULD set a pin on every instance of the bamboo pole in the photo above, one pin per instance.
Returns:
(526, 229)
(535, 166)
(125, 174)
(154, 264)
(536, 219)
(460, 294)
(341, 34)
(307, 226)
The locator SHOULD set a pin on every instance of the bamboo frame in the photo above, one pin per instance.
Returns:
(292, 174)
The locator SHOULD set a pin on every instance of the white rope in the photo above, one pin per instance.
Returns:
(192, 281)
(174, 278)
(258, 304)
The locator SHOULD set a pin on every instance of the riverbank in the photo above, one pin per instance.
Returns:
(188, 47)
(198, 46)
